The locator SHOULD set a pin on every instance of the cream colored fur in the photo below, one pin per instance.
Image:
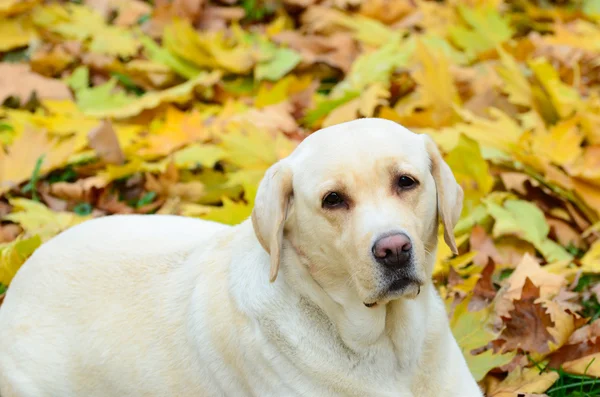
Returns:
(170, 306)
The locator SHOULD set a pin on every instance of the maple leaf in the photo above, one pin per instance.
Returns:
(436, 87)
(37, 219)
(27, 150)
(528, 323)
(178, 129)
(486, 29)
(515, 83)
(81, 23)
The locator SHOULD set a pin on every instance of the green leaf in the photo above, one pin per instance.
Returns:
(526, 221)
(282, 62)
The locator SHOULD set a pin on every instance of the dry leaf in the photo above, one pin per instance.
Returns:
(18, 81)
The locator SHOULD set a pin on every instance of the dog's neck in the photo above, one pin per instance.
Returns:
(359, 327)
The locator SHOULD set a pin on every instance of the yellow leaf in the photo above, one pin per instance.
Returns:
(364, 29)
(591, 260)
(14, 7)
(524, 380)
(37, 219)
(209, 49)
(500, 131)
(231, 213)
(80, 22)
(249, 147)
(375, 95)
(588, 365)
(436, 87)
(17, 166)
(346, 112)
(515, 83)
(565, 99)
(14, 254)
(562, 145)
(194, 155)
(472, 331)
(471, 172)
(15, 32)
(442, 262)
(178, 129)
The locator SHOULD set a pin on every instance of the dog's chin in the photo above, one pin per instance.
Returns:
(403, 287)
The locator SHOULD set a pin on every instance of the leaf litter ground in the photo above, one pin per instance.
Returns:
(179, 106)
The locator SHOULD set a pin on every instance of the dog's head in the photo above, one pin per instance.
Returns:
(361, 202)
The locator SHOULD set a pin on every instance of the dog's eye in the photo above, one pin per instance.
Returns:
(333, 200)
(406, 182)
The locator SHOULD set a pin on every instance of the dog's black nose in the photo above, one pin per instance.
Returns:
(393, 251)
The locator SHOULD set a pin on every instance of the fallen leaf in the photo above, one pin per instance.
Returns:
(523, 381)
(467, 329)
(31, 147)
(14, 254)
(105, 142)
(37, 219)
(18, 81)
(528, 323)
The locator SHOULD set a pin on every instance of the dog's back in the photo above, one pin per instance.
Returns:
(84, 279)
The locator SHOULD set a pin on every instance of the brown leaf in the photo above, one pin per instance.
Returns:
(583, 342)
(218, 18)
(548, 283)
(515, 181)
(9, 232)
(528, 323)
(564, 233)
(481, 242)
(104, 141)
(338, 50)
(484, 291)
(19, 81)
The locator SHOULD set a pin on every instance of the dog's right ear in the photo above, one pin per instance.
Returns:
(270, 211)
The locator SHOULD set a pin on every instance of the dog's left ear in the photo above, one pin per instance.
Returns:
(270, 211)
(449, 193)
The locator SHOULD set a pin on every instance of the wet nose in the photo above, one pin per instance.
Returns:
(393, 251)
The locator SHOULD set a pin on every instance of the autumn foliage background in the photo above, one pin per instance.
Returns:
(178, 107)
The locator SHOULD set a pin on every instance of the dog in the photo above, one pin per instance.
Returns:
(325, 290)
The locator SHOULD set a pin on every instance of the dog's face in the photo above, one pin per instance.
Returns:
(360, 202)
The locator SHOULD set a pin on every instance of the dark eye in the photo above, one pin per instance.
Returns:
(406, 182)
(333, 200)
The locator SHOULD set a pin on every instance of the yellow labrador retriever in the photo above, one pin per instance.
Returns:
(345, 228)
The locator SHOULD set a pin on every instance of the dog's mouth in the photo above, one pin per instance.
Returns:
(409, 287)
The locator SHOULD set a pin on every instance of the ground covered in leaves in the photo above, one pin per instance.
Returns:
(179, 106)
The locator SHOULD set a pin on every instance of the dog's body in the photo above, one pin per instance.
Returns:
(169, 306)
